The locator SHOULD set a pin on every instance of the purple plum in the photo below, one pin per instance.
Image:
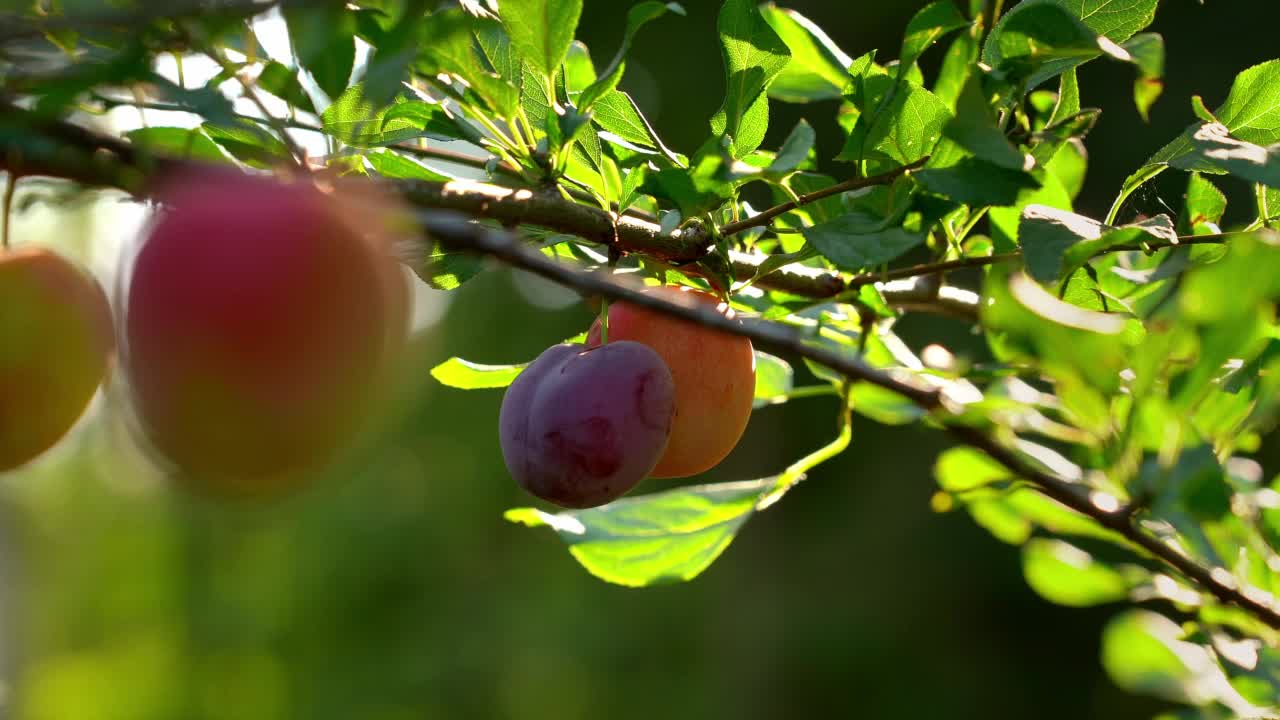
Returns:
(580, 427)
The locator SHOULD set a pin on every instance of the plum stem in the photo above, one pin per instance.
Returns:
(6, 209)
(795, 472)
(604, 321)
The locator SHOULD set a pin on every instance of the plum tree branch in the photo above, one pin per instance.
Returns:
(32, 145)
(82, 155)
(18, 27)
(766, 217)
(458, 232)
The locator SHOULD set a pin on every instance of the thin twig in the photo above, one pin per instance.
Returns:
(1122, 519)
(299, 155)
(457, 231)
(6, 210)
(767, 216)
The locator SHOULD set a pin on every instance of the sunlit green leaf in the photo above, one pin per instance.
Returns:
(1251, 114)
(774, 379)
(900, 122)
(616, 113)
(541, 30)
(1213, 148)
(1066, 575)
(176, 142)
(753, 55)
(644, 540)
(962, 468)
(1144, 652)
(795, 149)
(466, 375)
(817, 70)
(1147, 50)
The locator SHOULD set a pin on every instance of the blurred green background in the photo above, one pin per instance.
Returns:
(394, 590)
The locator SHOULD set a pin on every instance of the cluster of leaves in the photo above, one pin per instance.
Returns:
(1139, 363)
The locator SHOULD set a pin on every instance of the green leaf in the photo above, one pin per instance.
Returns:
(929, 25)
(1116, 19)
(795, 149)
(616, 114)
(323, 38)
(817, 70)
(1069, 165)
(1159, 228)
(1215, 149)
(974, 129)
(354, 120)
(637, 17)
(189, 143)
(1038, 32)
(1064, 574)
(883, 406)
(541, 30)
(1027, 324)
(1045, 43)
(774, 379)
(966, 179)
(753, 55)
(1068, 97)
(1204, 206)
(1147, 50)
(962, 468)
(900, 122)
(391, 164)
(1046, 233)
(957, 65)
(394, 51)
(694, 190)
(449, 44)
(846, 244)
(1251, 114)
(283, 83)
(579, 70)
(249, 143)
(466, 375)
(645, 540)
(1143, 653)
(448, 269)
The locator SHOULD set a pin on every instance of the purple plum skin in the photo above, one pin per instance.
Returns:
(581, 427)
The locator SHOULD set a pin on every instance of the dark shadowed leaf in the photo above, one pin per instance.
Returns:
(956, 174)
(323, 37)
(928, 25)
(637, 17)
(795, 149)
(845, 242)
